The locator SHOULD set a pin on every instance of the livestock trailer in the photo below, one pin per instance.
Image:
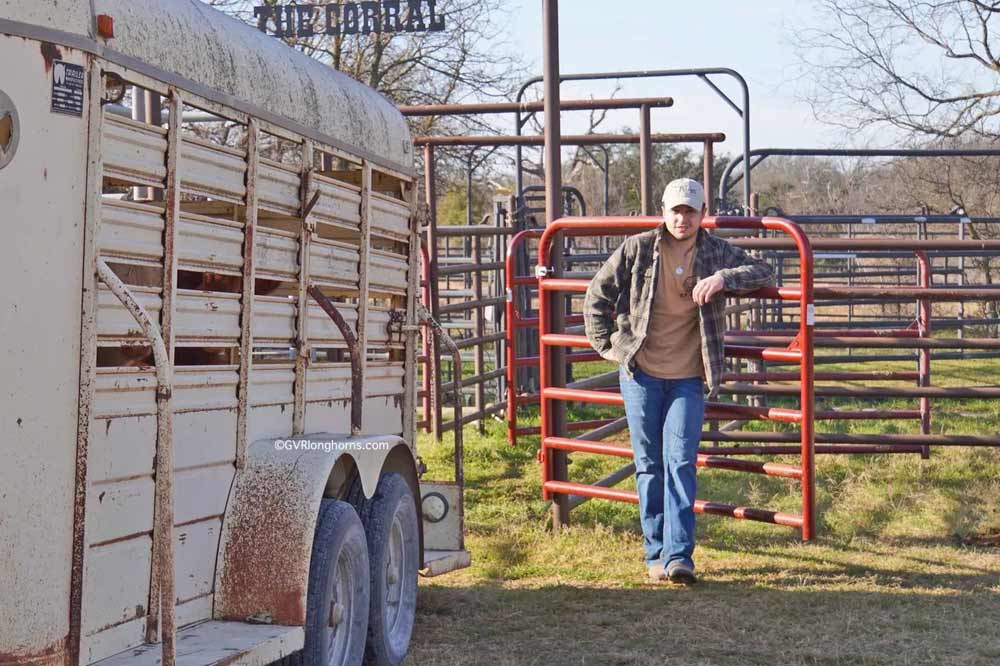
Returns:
(207, 348)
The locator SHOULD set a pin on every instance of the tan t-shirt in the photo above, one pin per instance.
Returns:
(672, 349)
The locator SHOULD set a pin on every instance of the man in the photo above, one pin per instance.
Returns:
(656, 308)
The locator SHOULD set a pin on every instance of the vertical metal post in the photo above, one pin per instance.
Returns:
(553, 203)
(924, 355)
(247, 301)
(807, 393)
(413, 278)
(607, 178)
(709, 159)
(645, 161)
(162, 593)
(963, 220)
(88, 356)
(434, 363)
(364, 302)
(480, 332)
(302, 350)
(468, 187)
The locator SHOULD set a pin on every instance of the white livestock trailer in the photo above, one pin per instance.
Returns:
(207, 349)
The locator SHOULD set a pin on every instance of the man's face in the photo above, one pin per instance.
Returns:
(683, 221)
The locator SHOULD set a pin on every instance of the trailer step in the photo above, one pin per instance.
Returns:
(437, 562)
(215, 643)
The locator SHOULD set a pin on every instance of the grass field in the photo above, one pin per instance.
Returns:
(901, 573)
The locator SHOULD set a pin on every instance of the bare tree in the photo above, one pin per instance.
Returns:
(470, 60)
(927, 67)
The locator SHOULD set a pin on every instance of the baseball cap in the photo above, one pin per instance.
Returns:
(684, 191)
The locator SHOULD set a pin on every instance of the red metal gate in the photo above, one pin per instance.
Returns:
(799, 350)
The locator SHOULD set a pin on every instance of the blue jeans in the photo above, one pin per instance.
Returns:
(664, 419)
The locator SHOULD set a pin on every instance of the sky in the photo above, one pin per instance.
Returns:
(752, 37)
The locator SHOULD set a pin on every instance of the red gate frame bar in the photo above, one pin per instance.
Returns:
(802, 353)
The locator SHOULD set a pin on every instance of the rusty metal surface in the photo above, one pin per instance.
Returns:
(216, 643)
(88, 362)
(357, 357)
(164, 517)
(266, 543)
(533, 107)
(645, 161)
(234, 65)
(247, 300)
(305, 234)
(568, 140)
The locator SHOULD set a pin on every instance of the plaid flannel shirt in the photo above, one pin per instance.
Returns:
(619, 302)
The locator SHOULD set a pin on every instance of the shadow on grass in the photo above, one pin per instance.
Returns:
(733, 622)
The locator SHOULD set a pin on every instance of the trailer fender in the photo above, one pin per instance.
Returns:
(267, 533)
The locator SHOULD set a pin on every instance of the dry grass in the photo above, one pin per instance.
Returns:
(887, 582)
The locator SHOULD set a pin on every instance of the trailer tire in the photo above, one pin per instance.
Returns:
(393, 532)
(339, 590)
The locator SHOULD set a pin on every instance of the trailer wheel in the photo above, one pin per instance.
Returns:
(339, 589)
(394, 550)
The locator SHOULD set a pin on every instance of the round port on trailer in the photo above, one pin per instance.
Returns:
(9, 129)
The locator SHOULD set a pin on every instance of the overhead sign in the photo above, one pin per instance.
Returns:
(349, 18)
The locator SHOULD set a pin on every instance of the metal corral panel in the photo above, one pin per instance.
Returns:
(134, 152)
(279, 188)
(339, 203)
(277, 255)
(213, 171)
(131, 231)
(238, 64)
(333, 263)
(387, 272)
(390, 217)
(209, 244)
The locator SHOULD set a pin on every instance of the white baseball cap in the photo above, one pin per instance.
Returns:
(684, 191)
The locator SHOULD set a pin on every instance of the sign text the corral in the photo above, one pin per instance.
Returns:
(349, 18)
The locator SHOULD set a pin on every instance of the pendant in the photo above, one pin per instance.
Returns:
(679, 270)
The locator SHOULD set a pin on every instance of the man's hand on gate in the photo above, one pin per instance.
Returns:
(707, 288)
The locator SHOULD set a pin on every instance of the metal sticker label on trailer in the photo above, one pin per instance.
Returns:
(67, 88)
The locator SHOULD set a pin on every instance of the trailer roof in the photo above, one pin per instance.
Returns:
(198, 48)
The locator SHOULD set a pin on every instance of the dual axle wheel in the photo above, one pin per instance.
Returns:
(363, 580)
